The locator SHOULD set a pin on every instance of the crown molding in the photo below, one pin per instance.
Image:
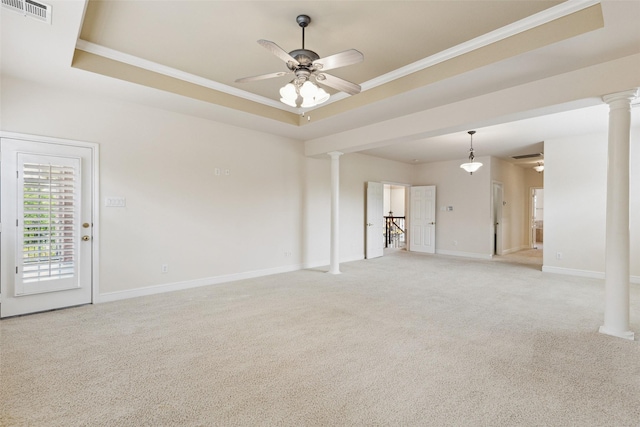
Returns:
(540, 18)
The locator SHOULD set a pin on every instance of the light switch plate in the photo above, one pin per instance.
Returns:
(115, 202)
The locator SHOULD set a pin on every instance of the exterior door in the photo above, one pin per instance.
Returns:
(47, 221)
(423, 219)
(375, 221)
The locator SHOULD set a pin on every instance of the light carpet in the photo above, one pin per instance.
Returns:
(403, 340)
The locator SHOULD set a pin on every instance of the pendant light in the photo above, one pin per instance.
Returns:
(539, 168)
(472, 165)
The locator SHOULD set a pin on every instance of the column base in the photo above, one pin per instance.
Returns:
(336, 271)
(628, 335)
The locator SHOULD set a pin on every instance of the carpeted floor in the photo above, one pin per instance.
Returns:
(401, 340)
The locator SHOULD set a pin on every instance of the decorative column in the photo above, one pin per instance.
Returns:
(617, 260)
(334, 266)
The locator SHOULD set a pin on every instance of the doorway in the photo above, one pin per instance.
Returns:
(395, 233)
(537, 218)
(47, 192)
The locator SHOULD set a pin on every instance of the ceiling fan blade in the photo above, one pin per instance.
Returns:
(278, 51)
(342, 59)
(262, 77)
(338, 83)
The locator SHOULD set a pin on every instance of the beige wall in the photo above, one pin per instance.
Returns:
(467, 229)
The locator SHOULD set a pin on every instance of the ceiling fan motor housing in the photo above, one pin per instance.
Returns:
(303, 20)
(304, 56)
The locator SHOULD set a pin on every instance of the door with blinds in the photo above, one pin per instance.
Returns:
(47, 222)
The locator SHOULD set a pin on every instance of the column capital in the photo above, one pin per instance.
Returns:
(335, 154)
(627, 95)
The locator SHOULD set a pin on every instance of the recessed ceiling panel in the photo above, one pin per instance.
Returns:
(217, 40)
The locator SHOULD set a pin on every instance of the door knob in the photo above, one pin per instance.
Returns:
(86, 238)
(432, 223)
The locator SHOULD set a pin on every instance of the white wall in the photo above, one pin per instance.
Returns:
(466, 230)
(270, 214)
(178, 212)
(575, 182)
(394, 200)
(355, 171)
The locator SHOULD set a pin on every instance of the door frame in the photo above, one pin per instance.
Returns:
(95, 203)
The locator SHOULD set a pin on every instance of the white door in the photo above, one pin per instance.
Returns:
(46, 214)
(375, 221)
(423, 219)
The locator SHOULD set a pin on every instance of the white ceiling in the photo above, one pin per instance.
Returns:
(216, 41)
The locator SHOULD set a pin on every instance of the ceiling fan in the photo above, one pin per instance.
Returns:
(305, 64)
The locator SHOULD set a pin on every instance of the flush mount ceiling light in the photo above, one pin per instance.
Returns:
(472, 165)
(305, 64)
(539, 168)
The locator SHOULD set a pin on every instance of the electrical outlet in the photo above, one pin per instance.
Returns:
(558, 256)
(164, 268)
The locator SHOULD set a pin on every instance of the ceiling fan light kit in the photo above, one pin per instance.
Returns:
(305, 64)
(472, 165)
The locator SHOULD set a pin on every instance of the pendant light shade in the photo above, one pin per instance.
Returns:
(472, 165)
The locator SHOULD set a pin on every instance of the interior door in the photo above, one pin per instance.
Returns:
(423, 219)
(47, 221)
(375, 220)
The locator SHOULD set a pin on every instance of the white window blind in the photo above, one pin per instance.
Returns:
(49, 216)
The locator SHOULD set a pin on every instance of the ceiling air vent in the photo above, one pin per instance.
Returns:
(524, 156)
(34, 9)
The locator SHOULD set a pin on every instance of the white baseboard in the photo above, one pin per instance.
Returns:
(573, 272)
(189, 284)
(583, 273)
(512, 250)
